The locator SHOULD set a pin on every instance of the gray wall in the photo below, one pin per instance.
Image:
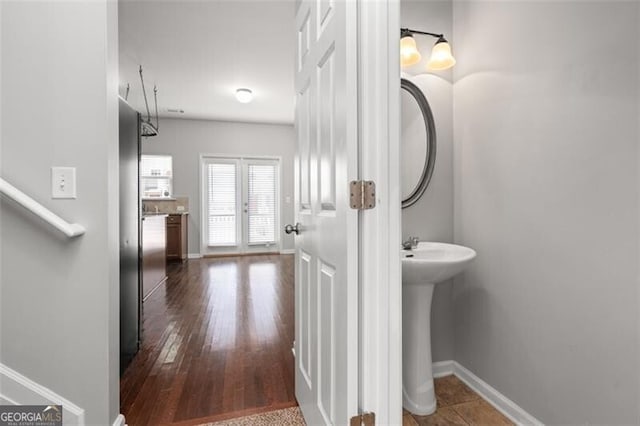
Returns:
(431, 218)
(546, 110)
(185, 140)
(59, 301)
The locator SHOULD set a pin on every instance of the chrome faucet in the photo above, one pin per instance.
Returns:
(411, 243)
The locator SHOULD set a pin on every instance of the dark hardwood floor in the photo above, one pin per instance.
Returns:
(216, 344)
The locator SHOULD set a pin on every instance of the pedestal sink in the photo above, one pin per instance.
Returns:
(422, 268)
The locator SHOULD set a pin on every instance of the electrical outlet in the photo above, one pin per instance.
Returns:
(63, 182)
(180, 208)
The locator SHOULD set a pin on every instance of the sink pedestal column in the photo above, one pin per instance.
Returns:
(418, 395)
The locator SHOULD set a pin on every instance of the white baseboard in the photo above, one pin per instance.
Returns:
(500, 402)
(17, 389)
(288, 251)
(120, 421)
(194, 256)
(442, 368)
(7, 401)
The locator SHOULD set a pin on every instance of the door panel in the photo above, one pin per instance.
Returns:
(324, 10)
(326, 349)
(326, 95)
(327, 246)
(304, 355)
(173, 241)
(304, 148)
(304, 38)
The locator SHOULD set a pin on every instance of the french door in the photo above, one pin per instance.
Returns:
(240, 205)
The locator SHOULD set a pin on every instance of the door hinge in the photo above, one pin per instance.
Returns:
(363, 194)
(364, 419)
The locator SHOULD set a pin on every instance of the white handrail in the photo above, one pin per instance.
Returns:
(71, 230)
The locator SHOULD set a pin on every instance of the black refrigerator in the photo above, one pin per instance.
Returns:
(130, 252)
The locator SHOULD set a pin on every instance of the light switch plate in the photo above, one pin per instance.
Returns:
(63, 182)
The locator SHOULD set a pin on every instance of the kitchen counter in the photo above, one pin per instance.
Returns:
(146, 215)
(163, 214)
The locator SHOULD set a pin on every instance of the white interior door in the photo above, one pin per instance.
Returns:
(327, 245)
(240, 205)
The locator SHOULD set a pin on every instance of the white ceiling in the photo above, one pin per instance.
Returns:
(199, 52)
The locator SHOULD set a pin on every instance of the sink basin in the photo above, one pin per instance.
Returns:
(422, 268)
(434, 262)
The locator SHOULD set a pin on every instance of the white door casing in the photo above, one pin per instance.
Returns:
(380, 268)
(327, 247)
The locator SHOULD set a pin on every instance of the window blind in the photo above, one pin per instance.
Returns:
(261, 203)
(221, 184)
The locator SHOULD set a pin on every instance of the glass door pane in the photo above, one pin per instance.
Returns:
(261, 203)
(222, 204)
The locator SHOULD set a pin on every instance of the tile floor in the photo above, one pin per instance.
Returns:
(457, 405)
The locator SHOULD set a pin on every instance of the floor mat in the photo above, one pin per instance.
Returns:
(286, 417)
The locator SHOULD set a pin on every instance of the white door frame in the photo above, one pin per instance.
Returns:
(380, 351)
(380, 236)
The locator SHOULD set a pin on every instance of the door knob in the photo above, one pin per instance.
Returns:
(292, 228)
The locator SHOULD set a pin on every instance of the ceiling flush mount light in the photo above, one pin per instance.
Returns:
(244, 95)
(441, 57)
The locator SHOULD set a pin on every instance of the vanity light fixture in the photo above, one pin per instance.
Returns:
(244, 95)
(441, 57)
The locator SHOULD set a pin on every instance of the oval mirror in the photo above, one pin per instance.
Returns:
(417, 143)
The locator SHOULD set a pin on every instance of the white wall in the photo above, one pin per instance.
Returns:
(546, 110)
(185, 140)
(59, 301)
(431, 218)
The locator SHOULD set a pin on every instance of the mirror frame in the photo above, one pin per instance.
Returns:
(430, 125)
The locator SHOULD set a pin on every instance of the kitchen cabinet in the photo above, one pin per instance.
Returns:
(177, 231)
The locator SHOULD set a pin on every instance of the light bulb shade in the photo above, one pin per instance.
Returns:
(244, 95)
(409, 54)
(441, 57)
